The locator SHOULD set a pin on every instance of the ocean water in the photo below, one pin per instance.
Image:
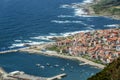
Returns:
(35, 22)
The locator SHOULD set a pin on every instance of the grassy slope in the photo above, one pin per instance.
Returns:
(107, 7)
(111, 72)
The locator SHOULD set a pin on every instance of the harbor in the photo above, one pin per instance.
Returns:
(39, 49)
(40, 65)
(20, 75)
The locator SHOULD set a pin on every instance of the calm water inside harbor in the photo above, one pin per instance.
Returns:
(27, 63)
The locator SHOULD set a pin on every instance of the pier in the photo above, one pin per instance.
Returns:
(38, 47)
(2, 71)
(20, 75)
(8, 51)
(13, 50)
(58, 77)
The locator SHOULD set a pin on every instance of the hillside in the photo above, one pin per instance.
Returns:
(107, 8)
(111, 72)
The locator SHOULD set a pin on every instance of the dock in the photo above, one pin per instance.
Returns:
(26, 77)
(39, 47)
(20, 75)
(13, 50)
(2, 71)
(8, 51)
(58, 77)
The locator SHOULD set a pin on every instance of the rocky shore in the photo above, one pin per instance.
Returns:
(109, 6)
(89, 9)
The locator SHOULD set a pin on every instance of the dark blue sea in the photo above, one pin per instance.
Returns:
(35, 22)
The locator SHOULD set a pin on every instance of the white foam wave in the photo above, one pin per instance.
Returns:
(64, 16)
(46, 38)
(17, 45)
(65, 6)
(28, 41)
(36, 43)
(112, 26)
(80, 12)
(87, 1)
(73, 33)
(57, 21)
(53, 34)
(42, 37)
(66, 21)
(78, 8)
(90, 28)
(17, 40)
(69, 22)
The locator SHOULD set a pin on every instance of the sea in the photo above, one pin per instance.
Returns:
(36, 22)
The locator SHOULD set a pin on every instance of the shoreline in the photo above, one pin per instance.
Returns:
(89, 11)
(15, 75)
(93, 13)
(56, 54)
(40, 49)
(37, 49)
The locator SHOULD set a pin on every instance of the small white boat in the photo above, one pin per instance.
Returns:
(56, 65)
(38, 65)
(62, 69)
(42, 67)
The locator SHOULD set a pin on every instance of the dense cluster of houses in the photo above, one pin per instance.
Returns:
(102, 45)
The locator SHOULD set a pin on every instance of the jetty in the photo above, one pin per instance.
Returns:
(38, 47)
(20, 75)
(38, 50)
(13, 50)
(2, 71)
(8, 51)
(58, 77)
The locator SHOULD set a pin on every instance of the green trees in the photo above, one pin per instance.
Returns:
(111, 72)
(109, 7)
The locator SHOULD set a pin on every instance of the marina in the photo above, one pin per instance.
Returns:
(19, 75)
(38, 50)
(17, 62)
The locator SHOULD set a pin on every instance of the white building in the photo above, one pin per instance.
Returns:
(118, 48)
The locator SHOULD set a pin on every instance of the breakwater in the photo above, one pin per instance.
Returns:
(15, 75)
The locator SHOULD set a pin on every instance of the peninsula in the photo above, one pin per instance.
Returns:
(109, 8)
(97, 48)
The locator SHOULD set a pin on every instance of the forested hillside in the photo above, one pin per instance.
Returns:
(111, 72)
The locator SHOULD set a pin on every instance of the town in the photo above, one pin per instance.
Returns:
(100, 45)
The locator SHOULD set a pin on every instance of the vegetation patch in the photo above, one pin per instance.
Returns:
(111, 72)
